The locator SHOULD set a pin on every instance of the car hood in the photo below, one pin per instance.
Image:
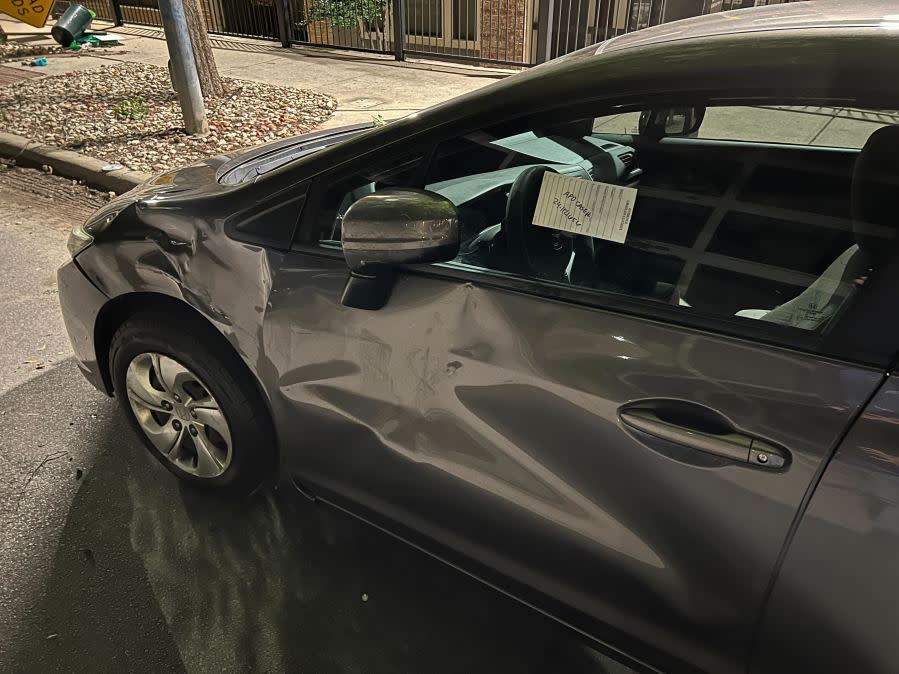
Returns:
(193, 177)
(241, 166)
(260, 160)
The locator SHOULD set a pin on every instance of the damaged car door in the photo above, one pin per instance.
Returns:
(550, 411)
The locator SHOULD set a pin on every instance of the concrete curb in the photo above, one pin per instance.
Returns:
(69, 164)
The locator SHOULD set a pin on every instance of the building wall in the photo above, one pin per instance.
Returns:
(503, 29)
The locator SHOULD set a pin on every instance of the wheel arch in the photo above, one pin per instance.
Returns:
(119, 309)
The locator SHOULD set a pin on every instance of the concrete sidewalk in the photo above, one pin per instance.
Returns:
(364, 85)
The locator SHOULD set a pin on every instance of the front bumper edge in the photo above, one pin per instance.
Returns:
(81, 303)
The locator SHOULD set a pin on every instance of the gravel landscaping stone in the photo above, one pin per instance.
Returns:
(127, 113)
(13, 51)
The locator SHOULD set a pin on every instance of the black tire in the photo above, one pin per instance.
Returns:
(205, 352)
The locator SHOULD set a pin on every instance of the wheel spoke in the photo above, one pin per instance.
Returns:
(208, 463)
(176, 444)
(163, 436)
(214, 419)
(140, 390)
(172, 375)
(207, 402)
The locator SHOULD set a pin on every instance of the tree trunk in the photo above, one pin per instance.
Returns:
(210, 81)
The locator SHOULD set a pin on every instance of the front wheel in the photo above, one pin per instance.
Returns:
(192, 402)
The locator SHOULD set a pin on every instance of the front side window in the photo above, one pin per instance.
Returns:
(763, 229)
(337, 191)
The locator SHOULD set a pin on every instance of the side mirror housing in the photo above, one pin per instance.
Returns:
(390, 228)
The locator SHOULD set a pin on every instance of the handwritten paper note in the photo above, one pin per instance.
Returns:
(579, 206)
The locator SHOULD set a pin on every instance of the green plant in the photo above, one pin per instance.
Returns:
(134, 107)
(366, 15)
(347, 13)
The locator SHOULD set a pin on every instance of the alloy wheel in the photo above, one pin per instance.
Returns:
(179, 415)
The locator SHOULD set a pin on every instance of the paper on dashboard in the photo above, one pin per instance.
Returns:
(579, 206)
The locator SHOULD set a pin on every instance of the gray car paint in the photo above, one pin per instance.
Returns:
(836, 600)
(483, 422)
(487, 421)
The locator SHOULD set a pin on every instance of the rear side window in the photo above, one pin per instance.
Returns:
(817, 126)
(814, 125)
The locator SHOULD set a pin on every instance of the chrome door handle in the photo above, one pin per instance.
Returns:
(734, 446)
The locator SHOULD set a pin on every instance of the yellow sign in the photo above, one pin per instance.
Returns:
(32, 12)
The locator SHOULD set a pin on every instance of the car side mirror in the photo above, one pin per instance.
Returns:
(676, 121)
(390, 228)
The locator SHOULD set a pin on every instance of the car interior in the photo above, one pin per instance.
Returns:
(779, 232)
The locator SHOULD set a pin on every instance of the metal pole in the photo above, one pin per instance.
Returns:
(545, 21)
(399, 30)
(282, 12)
(117, 12)
(184, 68)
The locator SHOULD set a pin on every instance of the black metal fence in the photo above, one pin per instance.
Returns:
(102, 8)
(487, 32)
(244, 18)
(349, 24)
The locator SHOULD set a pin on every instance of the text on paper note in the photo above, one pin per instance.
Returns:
(579, 206)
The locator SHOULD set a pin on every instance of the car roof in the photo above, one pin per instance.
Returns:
(787, 16)
(805, 51)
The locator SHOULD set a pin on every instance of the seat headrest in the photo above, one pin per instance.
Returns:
(875, 190)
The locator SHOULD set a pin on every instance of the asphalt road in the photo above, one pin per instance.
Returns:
(108, 564)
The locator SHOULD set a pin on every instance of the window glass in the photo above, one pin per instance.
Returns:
(624, 123)
(786, 235)
(824, 126)
(799, 125)
(335, 194)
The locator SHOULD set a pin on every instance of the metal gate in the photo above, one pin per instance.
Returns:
(366, 25)
(243, 18)
(484, 32)
(481, 31)
(102, 8)
(567, 25)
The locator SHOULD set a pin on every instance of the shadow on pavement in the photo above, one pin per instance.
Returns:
(151, 576)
